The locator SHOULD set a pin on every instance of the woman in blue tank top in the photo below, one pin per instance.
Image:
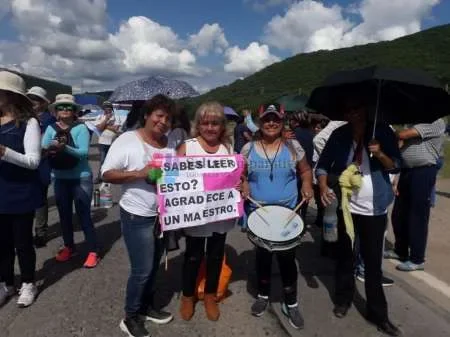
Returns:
(273, 165)
(20, 154)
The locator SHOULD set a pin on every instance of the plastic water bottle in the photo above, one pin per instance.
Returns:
(330, 220)
(106, 200)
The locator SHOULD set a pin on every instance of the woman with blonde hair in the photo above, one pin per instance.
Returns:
(209, 138)
(20, 154)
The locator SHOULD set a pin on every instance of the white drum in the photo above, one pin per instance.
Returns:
(275, 228)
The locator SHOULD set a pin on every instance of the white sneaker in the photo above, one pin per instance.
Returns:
(5, 292)
(27, 294)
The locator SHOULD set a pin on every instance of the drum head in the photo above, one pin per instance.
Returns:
(270, 223)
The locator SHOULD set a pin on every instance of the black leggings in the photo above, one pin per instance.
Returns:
(17, 236)
(195, 251)
(288, 270)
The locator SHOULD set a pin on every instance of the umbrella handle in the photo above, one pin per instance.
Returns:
(377, 106)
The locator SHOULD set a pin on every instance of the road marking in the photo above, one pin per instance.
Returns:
(429, 279)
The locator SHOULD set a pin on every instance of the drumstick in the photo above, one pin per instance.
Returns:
(257, 203)
(294, 212)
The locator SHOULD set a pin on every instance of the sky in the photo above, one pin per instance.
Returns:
(100, 44)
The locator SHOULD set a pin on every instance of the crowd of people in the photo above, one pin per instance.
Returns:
(288, 158)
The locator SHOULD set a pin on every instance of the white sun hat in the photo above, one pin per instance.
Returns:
(13, 83)
(64, 99)
(39, 92)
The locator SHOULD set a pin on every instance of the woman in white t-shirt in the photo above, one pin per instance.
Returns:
(127, 163)
(210, 138)
(109, 127)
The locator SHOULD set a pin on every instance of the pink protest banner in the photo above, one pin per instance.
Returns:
(197, 190)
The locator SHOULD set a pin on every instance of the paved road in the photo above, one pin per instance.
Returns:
(79, 302)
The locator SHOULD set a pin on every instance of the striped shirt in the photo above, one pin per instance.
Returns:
(425, 149)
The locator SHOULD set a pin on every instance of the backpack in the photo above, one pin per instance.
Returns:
(63, 160)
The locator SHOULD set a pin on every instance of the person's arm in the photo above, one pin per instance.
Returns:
(306, 177)
(390, 156)
(385, 160)
(245, 187)
(303, 170)
(81, 139)
(102, 123)
(323, 167)
(32, 146)
(114, 168)
(407, 134)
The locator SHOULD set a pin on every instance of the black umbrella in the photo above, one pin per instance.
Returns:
(399, 96)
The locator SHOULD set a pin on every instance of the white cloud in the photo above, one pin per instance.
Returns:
(70, 42)
(311, 25)
(148, 46)
(249, 60)
(210, 37)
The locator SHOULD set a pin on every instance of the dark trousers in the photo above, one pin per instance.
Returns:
(411, 212)
(288, 271)
(78, 191)
(103, 153)
(41, 216)
(17, 237)
(144, 252)
(195, 251)
(370, 230)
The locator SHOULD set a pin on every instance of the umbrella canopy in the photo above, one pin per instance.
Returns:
(399, 95)
(292, 103)
(231, 114)
(146, 88)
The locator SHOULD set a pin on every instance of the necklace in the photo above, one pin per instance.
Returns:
(271, 162)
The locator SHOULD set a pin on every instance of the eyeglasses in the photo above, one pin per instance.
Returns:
(62, 108)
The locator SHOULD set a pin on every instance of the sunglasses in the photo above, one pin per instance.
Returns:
(62, 108)
(271, 118)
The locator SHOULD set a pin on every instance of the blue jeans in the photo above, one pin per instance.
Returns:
(78, 191)
(144, 252)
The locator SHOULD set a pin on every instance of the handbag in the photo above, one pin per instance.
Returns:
(224, 281)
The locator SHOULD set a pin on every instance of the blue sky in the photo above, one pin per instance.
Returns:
(98, 44)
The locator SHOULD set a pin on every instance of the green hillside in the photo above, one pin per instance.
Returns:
(428, 50)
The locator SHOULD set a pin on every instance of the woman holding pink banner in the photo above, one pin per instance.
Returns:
(210, 138)
(274, 165)
(127, 164)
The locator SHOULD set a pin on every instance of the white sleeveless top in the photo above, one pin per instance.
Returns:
(193, 148)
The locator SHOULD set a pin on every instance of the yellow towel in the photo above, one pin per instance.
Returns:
(350, 182)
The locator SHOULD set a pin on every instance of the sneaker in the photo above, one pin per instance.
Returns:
(64, 254)
(5, 292)
(260, 306)
(293, 313)
(40, 241)
(410, 266)
(392, 255)
(92, 260)
(385, 281)
(157, 316)
(27, 295)
(134, 327)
